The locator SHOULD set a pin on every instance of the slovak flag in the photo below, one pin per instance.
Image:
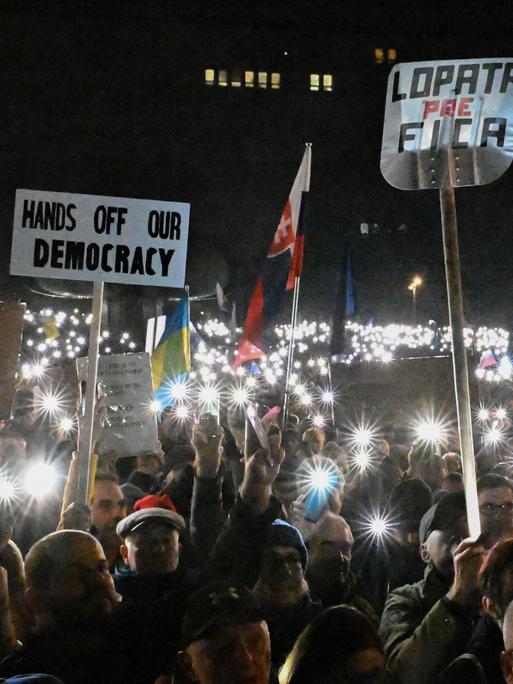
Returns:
(284, 263)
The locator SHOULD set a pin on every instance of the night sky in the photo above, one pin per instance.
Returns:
(109, 98)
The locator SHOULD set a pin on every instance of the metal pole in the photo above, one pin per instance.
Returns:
(86, 434)
(290, 356)
(459, 354)
(331, 390)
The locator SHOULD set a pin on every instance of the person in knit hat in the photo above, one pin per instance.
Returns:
(281, 590)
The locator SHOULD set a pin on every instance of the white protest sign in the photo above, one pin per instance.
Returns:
(463, 105)
(130, 427)
(95, 238)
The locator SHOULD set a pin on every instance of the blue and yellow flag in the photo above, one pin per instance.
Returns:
(171, 360)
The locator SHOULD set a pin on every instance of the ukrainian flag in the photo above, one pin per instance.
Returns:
(171, 360)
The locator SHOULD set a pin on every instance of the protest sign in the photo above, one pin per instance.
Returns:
(11, 325)
(449, 124)
(99, 239)
(466, 105)
(124, 381)
(95, 238)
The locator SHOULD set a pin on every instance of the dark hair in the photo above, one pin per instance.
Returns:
(326, 645)
(106, 476)
(145, 481)
(409, 500)
(499, 558)
(455, 477)
(493, 481)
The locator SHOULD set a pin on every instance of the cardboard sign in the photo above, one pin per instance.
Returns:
(11, 325)
(124, 380)
(465, 106)
(89, 237)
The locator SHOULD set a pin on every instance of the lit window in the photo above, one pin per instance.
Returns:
(223, 77)
(236, 79)
(391, 54)
(327, 82)
(275, 81)
(249, 79)
(262, 79)
(210, 75)
(379, 55)
(314, 81)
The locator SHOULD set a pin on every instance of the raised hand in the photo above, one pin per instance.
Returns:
(206, 440)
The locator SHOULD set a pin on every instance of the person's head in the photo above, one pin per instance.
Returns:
(339, 646)
(337, 454)
(108, 504)
(433, 470)
(453, 483)
(224, 637)
(131, 494)
(144, 480)
(452, 461)
(496, 579)
(507, 654)
(315, 439)
(329, 558)
(68, 580)
(151, 543)
(495, 498)
(281, 581)
(290, 441)
(408, 502)
(150, 463)
(441, 529)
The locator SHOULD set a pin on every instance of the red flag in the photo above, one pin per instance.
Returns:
(283, 263)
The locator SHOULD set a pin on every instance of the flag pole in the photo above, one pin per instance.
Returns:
(187, 294)
(295, 304)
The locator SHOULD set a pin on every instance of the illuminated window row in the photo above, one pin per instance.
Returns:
(321, 82)
(260, 79)
(242, 79)
(380, 54)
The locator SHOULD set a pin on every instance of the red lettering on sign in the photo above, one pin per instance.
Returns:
(430, 107)
(463, 105)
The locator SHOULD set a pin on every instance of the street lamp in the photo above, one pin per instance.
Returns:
(415, 283)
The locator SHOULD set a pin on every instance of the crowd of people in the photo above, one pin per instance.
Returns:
(225, 557)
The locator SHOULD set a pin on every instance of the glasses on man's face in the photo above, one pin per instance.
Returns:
(493, 510)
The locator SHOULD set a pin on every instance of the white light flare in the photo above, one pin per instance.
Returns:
(50, 404)
(494, 436)
(66, 425)
(361, 459)
(328, 397)
(318, 475)
(40, 480)
(501, 413)
(178, 390)
(483, 414)
(377, 527)
(8, 490)
(319, 421)
(182, 413)
(430, 431)
(362, 437)
(239, 396)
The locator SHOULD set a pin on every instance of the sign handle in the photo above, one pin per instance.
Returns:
(459, 354)
(86, 433)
